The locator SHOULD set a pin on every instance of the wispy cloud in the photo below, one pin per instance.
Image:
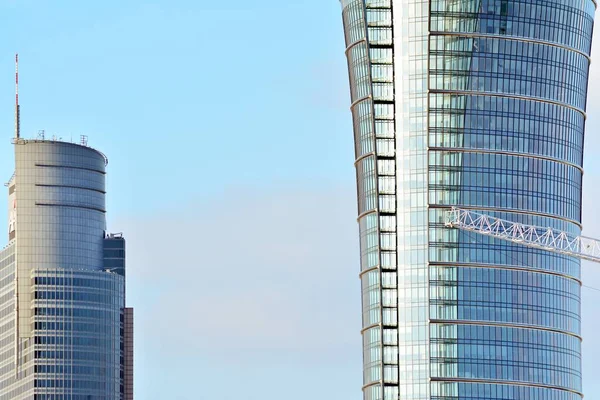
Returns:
(591, 225)
(592, 140)
(249, 274)
(591, 278)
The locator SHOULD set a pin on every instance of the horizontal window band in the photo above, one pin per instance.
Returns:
(70, 187)
(385, 102)
(71, 206)
(382, 46)
(505, 267)
(508, 37)
(376, 157)
(366, 328)
(503, 325)
(507, 95)
(376, 383)
(506, 153)
(386, 25)
(501, 382)
(363, 40)
(21, 141)
(365, 213)
(366, 155)
(366, 271)
(506, 210)
(70, 167)
(378, 7)
(357, 101)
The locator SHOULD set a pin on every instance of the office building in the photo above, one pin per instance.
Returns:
(479, 105)
(65, 333)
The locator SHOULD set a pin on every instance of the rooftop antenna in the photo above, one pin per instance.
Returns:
(17, 108)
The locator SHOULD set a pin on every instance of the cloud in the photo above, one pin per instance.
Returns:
(592, 140)
(591, 226)
(327, 88)
(248, 273)
(591, 279)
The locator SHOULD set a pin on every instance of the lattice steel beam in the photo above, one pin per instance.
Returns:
(528, 235)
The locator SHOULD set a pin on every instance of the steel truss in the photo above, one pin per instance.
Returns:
(528, 235)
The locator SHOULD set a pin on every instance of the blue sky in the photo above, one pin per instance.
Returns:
(230, 145)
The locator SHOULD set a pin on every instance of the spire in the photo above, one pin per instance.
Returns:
(17, 108)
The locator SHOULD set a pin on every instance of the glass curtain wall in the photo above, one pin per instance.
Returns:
(478, 104)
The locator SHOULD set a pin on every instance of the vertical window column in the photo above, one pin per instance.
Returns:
(411, 70)
(361, 73)
(381, 52)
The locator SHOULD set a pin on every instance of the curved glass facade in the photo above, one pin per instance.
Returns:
(62, 280)
(77, 333)
(478, 104)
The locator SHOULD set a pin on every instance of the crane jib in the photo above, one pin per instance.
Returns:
(544, 238)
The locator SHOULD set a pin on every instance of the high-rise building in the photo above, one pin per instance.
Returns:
(481, 105)
(65, 333)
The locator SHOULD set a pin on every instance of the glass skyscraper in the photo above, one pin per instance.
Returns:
(478, 104)
(65, 333)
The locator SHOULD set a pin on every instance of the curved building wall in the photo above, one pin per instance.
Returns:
(77, 333)
(70, 310)
(61, 204)
(478, 104)
(60, 219)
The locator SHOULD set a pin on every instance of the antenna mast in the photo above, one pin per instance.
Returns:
(17, 108)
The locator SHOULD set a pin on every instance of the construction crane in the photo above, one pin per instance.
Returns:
(528, 235)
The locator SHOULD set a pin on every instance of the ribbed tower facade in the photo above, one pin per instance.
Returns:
(63, 319)
(478, 104)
